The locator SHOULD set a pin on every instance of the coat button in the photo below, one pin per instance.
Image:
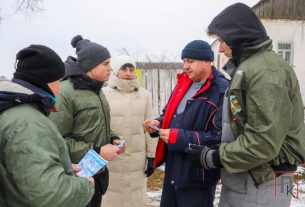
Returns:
(172, 182)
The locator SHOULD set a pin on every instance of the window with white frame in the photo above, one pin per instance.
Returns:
(285, 51)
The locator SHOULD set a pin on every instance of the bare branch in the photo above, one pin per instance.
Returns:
(29, 7)
(148, 58)
(123, 51)
(142, 55)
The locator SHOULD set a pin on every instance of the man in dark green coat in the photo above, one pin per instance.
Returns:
(35, 168)
(263, 125)
(84, 114)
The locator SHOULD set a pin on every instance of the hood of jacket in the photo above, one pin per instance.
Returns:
(239, 27)
(78, 77)
(18, 92)
(72, 68)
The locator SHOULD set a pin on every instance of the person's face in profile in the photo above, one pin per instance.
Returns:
(224, 48)
(197, 70)
(101, 72)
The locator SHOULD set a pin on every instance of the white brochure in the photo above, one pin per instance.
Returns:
(91, 163)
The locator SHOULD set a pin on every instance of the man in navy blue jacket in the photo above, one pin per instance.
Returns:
(192, 116)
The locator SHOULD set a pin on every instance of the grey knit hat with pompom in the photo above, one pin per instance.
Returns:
(89, 54)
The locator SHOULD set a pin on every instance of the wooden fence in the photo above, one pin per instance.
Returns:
(160, 82)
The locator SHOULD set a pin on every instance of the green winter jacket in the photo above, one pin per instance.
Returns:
(35, 168)
(83, 118)
(267, 115)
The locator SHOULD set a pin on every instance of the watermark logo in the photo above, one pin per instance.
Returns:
(286, 184)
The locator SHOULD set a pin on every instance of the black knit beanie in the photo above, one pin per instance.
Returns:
(39, 65)
(89, 54)
(198, 50)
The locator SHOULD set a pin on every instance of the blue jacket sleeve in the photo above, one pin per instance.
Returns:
(160, 118)
(179, 139)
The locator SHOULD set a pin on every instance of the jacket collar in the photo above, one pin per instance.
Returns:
(183, 85)
(183, 78)
(17, 92)
(229, 68)
(83, 82)
(207, 84)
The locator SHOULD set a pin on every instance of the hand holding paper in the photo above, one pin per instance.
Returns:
(109, 151)
(154, 128)
(120, 143)
(151, 122)
(90, 164)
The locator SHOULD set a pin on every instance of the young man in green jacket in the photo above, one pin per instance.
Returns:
(263, 124)
(35, 168)
(83, 116)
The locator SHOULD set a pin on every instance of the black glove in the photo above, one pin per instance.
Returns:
(150, 167)
(154, 135)
(203, 156)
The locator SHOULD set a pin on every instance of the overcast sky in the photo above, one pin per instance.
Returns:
(155, 28)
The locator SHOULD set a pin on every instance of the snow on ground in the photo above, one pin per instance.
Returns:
(300, 201)
(153, 198)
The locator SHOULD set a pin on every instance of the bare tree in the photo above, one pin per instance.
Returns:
(123, 51)
(29, 6)
(135, 54)
(164, 58)
(148, 58)
(143, 56)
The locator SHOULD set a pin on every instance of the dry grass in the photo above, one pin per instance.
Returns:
(155, 182)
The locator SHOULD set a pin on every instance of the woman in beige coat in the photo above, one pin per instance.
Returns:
(130, 105)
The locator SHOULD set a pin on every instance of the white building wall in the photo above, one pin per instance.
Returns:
(294, 32)
(281, 31)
